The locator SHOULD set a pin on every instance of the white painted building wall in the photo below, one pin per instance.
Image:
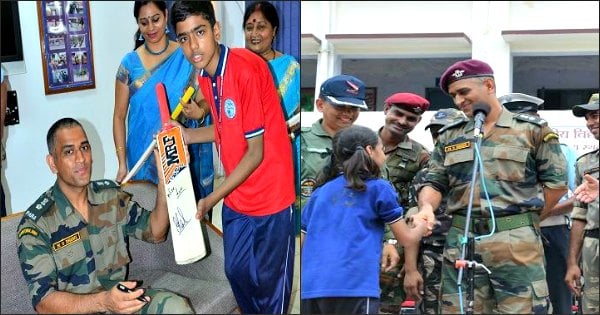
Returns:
(483, 23)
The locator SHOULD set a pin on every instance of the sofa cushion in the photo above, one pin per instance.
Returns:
(203, 282)
(15, 295)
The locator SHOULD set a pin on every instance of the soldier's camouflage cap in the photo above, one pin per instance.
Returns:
(444, 116)
(592, 105)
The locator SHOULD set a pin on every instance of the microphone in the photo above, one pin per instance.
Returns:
(480, 111)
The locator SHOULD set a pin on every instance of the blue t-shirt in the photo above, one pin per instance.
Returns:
(343, 231)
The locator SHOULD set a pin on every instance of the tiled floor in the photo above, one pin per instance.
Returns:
(295, 305)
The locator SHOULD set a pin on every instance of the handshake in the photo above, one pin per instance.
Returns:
(421, 220)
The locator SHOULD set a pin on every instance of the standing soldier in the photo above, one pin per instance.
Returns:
(422, 280)
(554, 225)
(522, 176)
(584, 232)
(340, 99)
(404, 158)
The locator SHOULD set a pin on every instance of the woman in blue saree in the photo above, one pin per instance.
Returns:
(261, 23)
(158, 59)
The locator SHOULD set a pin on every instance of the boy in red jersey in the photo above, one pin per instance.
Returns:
(252, 141)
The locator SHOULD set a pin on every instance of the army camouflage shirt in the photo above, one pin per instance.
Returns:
(587, 164)
(519, 156)
(59, 251)
(315, 154)
(402, 164)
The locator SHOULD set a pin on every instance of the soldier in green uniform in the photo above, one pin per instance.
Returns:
(404, 158)
(584, 231)
(423, 263)
(523, 171)
(554, 226)
(72, 242)
(341, 98)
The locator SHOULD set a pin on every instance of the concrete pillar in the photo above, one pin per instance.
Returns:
(489, 19)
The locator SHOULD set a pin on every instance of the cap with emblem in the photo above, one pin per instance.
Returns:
(520, 103)
(407, 101)
(344, 90)
(470, 68)
(444, 116)
(592, 105)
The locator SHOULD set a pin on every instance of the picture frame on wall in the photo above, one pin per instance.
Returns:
(66, 46)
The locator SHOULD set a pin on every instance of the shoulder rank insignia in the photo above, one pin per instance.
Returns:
(39, 207)
(551, 135)
(104, 184)
(532, 119)
(28, 231)
(453, 124)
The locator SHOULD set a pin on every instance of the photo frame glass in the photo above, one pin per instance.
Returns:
(65, 38)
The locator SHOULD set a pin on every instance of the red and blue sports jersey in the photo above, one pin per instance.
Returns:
(244, 104)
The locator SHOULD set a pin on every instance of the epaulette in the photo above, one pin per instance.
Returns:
(532, 119)
(453, 124)
(305, 129)
(98, 185)
(591, 152)
(39, 207)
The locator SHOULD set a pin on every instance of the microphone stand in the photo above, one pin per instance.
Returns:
(470, 264)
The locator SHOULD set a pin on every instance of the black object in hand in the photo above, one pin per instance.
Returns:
(125, 289)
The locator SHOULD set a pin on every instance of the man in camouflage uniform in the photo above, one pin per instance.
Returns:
(340, 99)
(404, 158)
(72, 242)
(554, 226)
(422, 279)
(524, 175)
(584, 231)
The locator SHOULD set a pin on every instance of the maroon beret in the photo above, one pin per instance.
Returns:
(465, 69)
(408, 101)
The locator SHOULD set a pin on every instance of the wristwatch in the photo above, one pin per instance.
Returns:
(392, 241)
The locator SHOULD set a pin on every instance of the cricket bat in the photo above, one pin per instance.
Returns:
(190, 240)
(186, 97)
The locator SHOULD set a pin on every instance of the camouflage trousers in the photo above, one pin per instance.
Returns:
(430, 267)
(517, 283)
(590, 261)
(392, 287)
(166, 302)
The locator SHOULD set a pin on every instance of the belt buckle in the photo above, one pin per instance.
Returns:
(481, 226)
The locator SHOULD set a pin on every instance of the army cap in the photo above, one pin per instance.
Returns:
(520, 103)
(407, 101)
(344, 90)
(592, 105)
(444, 116)
(470, 68)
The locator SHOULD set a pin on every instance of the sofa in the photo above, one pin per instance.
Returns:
(203, 282)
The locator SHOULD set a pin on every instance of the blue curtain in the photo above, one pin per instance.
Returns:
(288, 37)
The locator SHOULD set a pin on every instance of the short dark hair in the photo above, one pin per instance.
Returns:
(59, 124)
(267, 9)
(181, 10)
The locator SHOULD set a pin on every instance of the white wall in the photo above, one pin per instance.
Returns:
(25, 173)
